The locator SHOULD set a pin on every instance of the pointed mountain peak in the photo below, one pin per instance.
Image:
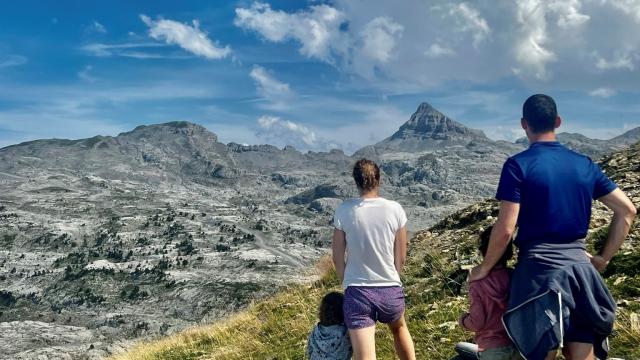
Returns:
(429, 123)
(425, 107)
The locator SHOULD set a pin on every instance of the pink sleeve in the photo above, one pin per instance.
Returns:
(475, 320)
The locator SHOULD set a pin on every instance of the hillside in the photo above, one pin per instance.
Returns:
(276, 328)
(112, 239)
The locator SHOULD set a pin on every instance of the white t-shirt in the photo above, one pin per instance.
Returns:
(370, 226)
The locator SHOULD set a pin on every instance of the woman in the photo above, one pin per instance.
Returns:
(372, 231)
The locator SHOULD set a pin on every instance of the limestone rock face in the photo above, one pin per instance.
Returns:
(429, 129)
(429, 123)
(325, 205)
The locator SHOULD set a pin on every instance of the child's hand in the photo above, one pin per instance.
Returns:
(598, 262)
(477, 273)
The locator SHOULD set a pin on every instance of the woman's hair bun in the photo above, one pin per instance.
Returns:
(366, 174)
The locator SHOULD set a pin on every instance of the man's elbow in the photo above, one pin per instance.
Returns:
(503, 234)
(629, 212)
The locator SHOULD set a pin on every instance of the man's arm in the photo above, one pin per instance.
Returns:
(400, 249)
(624, 212)
(501, 234)
(338, 247)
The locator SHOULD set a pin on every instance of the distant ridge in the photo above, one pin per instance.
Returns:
(594, 148)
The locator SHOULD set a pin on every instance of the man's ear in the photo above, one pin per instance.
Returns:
(524, 124)
(558, 122)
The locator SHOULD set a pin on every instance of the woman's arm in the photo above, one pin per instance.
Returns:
(338, 247)
(400, 249)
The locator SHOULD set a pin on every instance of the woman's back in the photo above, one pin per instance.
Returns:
(370, 226)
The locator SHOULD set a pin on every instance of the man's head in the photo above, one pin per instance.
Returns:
(540, 115)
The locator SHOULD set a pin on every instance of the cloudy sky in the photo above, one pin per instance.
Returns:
(313, 74)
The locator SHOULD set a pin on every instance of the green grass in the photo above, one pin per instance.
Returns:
(434, 280)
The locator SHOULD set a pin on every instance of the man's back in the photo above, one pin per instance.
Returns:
(555, 187)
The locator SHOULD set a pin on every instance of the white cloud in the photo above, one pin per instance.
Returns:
(568, 12)
(96, 26)
(619, 62)
(379, 38)
(270, 88)
(130, 50)
(470, 20)
(530, 50)
(190, 38)
(12, 60)
(317, 29)
(85, 74)
(501, 132)
(437, 51)
(284, 132)
(629, 7)
(603, 92)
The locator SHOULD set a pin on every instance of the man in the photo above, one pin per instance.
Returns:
(557, 298)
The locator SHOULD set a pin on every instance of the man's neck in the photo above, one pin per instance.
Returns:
(542, 137)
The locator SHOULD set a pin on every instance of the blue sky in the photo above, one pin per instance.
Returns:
(314, 74)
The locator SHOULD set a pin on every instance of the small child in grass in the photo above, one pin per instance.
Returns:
(329, 338)
(488, 302)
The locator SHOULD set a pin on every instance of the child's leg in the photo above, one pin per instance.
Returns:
(363, 342)
(402, 339)
(467, 350)
(578, 351)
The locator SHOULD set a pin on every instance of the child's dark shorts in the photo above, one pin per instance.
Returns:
(364, 305)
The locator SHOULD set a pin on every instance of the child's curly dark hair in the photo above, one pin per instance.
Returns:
(485, 236)
(331, 309)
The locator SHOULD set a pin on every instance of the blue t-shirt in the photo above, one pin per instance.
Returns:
(555, 188)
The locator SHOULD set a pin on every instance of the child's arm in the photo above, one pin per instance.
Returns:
(475, 319)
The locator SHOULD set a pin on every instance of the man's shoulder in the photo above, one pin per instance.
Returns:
(578, 154)
(531, 153)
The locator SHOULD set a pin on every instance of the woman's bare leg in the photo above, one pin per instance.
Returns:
(363, 342)
(402, 339)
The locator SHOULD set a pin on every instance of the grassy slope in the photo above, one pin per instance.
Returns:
(276, 328)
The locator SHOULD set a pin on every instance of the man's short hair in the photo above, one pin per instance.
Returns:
(540, 112)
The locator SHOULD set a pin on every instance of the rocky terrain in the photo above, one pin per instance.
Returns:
(435, 288)
(109, 239)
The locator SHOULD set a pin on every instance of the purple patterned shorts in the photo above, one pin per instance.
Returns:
(364, 305)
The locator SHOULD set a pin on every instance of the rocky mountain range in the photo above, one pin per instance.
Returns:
(108, 239)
